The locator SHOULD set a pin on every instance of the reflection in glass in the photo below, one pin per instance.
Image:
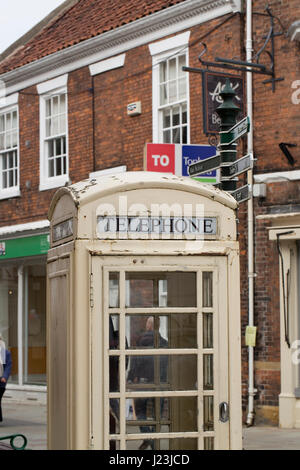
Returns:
(163, 444)
(207, 289)
(153, 414)
(114, 415)
(208, 413)
(176, 330)
(114, 374)
(114, 290)
(208, 373)
(160, 372)
(114, 332)
(146, 290)
(207, 330)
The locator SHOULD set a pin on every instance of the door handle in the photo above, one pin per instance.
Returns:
(224, 412)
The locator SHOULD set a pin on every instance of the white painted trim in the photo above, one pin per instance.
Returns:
(9, 229)
(8, 193)
(108, 64)
(178, 41)
(276, 177)
(7, 101)
(51, 85)
(170, 21)
(108, 171)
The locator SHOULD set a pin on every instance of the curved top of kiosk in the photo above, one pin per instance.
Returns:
(87, 190)
(138, 204)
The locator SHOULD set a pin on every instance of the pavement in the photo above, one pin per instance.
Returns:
(30, 419)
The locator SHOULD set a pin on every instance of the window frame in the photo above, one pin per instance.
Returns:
(46, 181)
(12, 191)
(161, 51)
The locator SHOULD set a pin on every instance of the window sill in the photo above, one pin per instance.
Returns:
(55, 183)
(9, 193)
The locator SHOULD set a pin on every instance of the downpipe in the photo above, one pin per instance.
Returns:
(251, 274)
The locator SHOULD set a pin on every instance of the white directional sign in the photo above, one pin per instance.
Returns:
(236, 168)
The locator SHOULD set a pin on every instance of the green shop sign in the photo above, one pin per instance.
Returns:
(26, 246)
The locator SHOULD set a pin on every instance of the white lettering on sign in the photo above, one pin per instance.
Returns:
(156, 225)
(162, 160)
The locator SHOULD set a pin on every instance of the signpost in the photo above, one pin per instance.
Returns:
(237, 131)
(225, 159)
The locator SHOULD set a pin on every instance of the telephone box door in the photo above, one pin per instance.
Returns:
(160, 342)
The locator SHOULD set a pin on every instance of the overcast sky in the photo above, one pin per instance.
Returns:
(18, 16)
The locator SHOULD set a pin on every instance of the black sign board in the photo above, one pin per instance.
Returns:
(202, 166)
(212, 84)
(241, 194)
(238, 167)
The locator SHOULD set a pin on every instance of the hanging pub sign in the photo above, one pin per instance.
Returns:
(212, 84)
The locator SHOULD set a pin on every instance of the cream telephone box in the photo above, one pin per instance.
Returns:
(143, 312)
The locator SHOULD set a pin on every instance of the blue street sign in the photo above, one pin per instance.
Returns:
(192, 154)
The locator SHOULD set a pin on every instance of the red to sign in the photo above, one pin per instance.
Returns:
(160, 157)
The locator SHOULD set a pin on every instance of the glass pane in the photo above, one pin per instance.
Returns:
(50, 147)
(8, 121)
(114, 445)
(62, 127)
(208, 373)
(14, 120)
(55, 105)
(166, 118)
(182, 89)
(51, 168)
(176, 136)
(163, 94)
(55, 126)
(35, 325)
(160, 372)
(184, 135)
(48, 107)
(2, 141)
(208, 330)
(9, 312)
(209, 443)
(114, 289)
(181, 63)
(208, 413)
(114, 415)
(58, 166)
(168, 414)
(172, 69)
(164, 331)
(2, 122)
(48, 127)
(184, 114)
(14, 139)
(162, 72)
(207, 289)
(4, 180)
(162, 444)
(114, 374)
(62, 108)
(167, 137)
(172, 92)
(144, 289)
(113, 331)
(58, 149)
(176, 116)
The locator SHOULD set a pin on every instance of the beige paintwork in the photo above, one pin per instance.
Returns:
(76, 351)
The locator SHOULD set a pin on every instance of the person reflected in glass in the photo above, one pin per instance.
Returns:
(143, 372)
(5, 370)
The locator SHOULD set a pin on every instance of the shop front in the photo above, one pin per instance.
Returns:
(23, 251)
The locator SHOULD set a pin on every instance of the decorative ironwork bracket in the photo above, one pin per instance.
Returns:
(242, 66)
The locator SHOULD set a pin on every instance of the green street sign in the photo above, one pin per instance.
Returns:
(237, 131)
